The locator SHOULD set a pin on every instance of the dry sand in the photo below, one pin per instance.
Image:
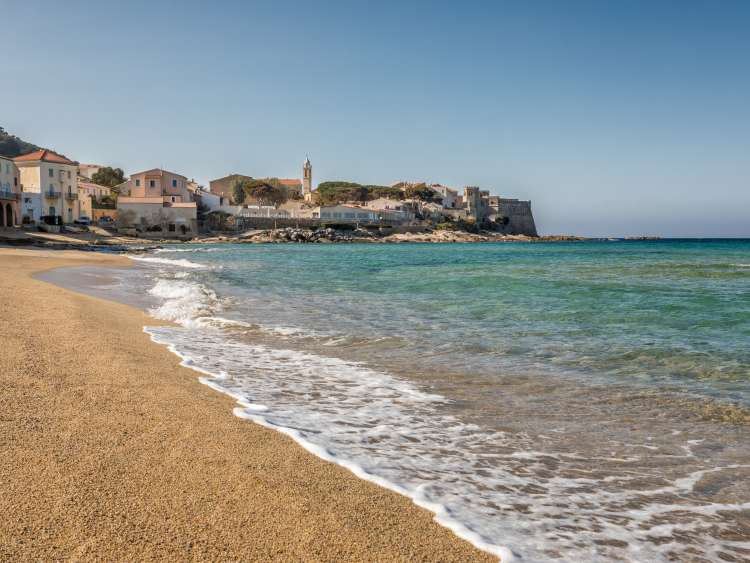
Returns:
(111, 451)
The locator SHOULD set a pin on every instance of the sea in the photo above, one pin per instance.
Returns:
(552, 401)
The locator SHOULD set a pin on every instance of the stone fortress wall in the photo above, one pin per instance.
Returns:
(520, 217)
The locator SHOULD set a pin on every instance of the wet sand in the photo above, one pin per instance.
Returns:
(111, 451)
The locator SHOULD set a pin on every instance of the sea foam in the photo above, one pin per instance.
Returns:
(181, 263)
(508, 493)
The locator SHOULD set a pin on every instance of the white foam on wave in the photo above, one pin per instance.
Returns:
(181, 262)
(185, 302)
(392, 433)
(348, 374)
(163, 250)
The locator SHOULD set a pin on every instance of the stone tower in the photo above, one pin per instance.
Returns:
(307, 180)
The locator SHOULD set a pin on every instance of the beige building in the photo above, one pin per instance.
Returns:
(159, 202)
(451, 199)
(90, 200)
(10, 193)
(88, 170)
(50, 186)
(342, 213)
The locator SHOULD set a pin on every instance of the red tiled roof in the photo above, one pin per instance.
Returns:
(290, 181)
(45, 155)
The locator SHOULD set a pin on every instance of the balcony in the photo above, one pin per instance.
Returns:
(71, 196)
(52, 194)
(8, 195)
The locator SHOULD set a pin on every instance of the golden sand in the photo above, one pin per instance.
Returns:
(111, 451)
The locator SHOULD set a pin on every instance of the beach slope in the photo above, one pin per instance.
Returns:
(112, 451)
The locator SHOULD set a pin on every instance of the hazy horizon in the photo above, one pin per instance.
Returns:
(614, 120)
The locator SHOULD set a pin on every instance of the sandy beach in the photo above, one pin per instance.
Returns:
(112, 451)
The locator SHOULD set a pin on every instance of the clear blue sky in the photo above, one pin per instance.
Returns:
(614, 118)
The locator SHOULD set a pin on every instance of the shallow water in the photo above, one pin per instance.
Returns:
(569, 401)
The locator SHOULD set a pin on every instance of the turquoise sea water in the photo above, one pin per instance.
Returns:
(641, 312)
(555, 401)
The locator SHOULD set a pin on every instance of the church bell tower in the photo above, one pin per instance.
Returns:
(307, 180)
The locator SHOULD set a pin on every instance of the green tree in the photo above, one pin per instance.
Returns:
(423, 194)
(239, 191)
(108, 176)
(360, 193)
(268, 194)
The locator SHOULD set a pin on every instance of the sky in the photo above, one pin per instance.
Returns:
(614, 118)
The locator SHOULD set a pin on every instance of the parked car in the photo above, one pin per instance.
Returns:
(82, 220)
(106, 220)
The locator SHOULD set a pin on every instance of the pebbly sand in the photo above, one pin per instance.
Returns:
(111, 451)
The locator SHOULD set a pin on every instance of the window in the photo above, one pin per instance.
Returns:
(172, 199)
(51, 173)
(68, 174)
(171, 227)
(137, 183)
(152, 183)
(174, 183)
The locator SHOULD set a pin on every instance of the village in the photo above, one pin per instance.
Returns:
(45, 191)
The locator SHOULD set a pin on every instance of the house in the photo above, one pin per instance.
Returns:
(50, 186)
(88, 170)
(451, 199)
(10, 190)
(343, 214)
(95, 200)
(392, 210)
(159, 201)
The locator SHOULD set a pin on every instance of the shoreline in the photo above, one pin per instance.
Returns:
(93, 241)
(116, 451)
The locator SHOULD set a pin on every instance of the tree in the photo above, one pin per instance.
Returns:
(239, 191)
(108, 176)
(423, 193)
(268, 194)
(11, 146)
(360, 193)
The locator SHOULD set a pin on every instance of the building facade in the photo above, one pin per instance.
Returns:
(50, 186)
(223, 186)
(88, 170)
(10, 193)
(159, 202)
(91, 202)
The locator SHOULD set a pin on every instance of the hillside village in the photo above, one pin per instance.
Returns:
(45, 190)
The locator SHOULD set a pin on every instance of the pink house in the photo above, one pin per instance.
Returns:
(158, 202)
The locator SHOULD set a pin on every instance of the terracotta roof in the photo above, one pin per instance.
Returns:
(289, 181)
(45, 155)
